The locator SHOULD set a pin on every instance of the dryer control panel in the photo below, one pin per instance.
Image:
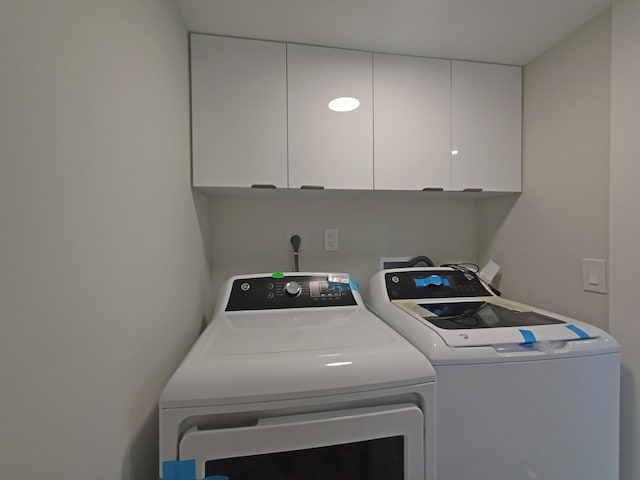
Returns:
(436, 283)
(290, 291)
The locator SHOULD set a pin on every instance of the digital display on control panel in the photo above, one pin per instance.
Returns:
(433, 284)
(267, 293)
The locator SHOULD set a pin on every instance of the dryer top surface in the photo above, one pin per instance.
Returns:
(259, 355)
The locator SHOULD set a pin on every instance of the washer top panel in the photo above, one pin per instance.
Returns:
(454, 318)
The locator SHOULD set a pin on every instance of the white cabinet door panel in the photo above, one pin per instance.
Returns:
(486, 120)
(239, 112)
(412, 122)
(327, 148)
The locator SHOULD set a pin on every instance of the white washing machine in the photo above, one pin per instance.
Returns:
(295, 379)
(522, 393)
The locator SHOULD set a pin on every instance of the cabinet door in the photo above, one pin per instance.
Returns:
(328, 148)
(239, 112)
(412, 122)
(486, 120)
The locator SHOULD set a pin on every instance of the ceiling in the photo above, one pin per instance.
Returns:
(499, 31)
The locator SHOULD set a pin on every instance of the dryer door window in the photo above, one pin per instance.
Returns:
(365, 443)
(380, 459)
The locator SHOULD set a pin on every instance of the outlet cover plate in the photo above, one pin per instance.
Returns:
(331, 239)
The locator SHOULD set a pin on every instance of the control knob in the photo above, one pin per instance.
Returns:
(292, 289)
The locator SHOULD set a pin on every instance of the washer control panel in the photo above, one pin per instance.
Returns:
(295, 291)
(433, 284)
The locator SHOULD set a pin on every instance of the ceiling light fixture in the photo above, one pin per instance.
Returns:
(344, 104)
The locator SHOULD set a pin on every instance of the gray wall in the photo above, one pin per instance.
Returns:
(625, 221)
(562, 214)
(250, 232)
(103, 273)
(103, 277)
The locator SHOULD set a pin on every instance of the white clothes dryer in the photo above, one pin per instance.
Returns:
(522, 393)
(295, 379)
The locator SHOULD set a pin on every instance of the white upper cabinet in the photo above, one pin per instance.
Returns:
(326, 148)
(412, 123)
(260, 116)
(486, 127)
(239, 112)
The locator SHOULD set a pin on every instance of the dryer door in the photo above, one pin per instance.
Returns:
(365, 443)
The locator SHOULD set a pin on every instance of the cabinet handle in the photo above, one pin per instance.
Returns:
(262, 185)
(433, 189)
(472, 190)
(311, 187)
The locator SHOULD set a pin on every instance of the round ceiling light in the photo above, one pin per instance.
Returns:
(344, 104)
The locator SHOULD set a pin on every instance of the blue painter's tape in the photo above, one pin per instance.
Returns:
(581, 333)
(436, 280)
(179, 470)
(353, 284)
(529, 338)
(170, 470)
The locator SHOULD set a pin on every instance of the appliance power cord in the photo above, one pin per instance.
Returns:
(295, 243)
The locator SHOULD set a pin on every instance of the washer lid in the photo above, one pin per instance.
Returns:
(493, 321)
(481, 314)
(251, 356)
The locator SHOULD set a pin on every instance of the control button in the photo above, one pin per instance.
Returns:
(245, 286)
(270, 295)
(395, 279)
(292, 289)
(270, 286)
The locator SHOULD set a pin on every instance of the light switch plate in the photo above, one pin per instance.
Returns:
(594, 275)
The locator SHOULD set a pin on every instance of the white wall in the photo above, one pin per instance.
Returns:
(103, 279)
(562, 214)
(625, 222)
(250, 233)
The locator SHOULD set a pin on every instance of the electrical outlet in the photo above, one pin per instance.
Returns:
(330, 239)
(301, 231)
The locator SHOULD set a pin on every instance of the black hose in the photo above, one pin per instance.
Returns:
(420, 259)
